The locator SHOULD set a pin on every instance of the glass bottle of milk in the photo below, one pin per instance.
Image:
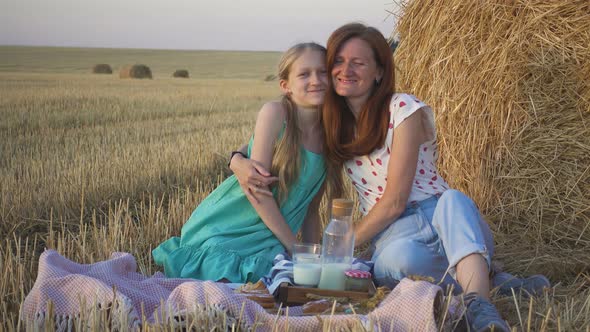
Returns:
(337, 245)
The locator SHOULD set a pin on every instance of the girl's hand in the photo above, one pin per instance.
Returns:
(252, 176)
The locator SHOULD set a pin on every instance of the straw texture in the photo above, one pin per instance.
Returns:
(509, 83)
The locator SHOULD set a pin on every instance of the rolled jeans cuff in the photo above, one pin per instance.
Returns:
(466, 250)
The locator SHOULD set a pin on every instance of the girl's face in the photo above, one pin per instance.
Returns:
(355, 70)
(307, 80)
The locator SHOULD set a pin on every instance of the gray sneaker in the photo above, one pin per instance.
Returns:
(532, 286)
(482, 315)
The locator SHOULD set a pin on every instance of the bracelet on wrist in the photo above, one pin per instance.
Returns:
(233, 153)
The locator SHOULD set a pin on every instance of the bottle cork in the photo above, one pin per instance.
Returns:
(342, 207)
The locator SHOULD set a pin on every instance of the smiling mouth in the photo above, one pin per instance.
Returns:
(345, 81)
(322, 90)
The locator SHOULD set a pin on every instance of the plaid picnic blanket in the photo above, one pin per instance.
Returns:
(133, 299)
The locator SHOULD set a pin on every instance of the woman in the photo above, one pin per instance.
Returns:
(234, 237)
(387, 145)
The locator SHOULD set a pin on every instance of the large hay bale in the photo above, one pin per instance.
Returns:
(102, 68)
(180, 73)
(135, 71)
(509, 81)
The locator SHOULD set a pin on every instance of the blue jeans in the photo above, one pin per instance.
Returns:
(430, 238)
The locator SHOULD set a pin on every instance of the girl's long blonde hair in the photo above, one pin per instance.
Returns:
(287, 150)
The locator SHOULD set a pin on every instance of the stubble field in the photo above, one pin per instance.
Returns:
(93, 164)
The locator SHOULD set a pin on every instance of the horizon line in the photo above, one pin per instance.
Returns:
(137, 48)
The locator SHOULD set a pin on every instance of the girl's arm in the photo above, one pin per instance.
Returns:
(311, 230)
(268, 125)
(407, 138)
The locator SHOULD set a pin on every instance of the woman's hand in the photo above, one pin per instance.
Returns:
(252, 176)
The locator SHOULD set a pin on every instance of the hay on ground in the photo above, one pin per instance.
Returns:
(102, 68)
(180, 73)
(508, 81)
(135, 71)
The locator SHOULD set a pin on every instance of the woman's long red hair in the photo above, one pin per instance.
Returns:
(337, 117)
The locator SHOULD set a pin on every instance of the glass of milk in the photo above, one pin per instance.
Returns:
(306, 264)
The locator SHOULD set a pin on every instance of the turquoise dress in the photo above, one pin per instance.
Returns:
(225, 237)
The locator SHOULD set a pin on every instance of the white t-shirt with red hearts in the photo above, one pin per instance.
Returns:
(369, 173)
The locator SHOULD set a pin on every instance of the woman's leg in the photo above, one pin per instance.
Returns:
(468, 245)
(467, 241)
(410, 246)
(407, 257)
(472, 275)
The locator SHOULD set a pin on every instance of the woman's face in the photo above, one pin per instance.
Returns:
(355, 70)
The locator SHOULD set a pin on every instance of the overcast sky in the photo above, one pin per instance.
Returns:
(184, 24)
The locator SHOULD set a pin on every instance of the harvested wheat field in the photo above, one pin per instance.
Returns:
(94, 165)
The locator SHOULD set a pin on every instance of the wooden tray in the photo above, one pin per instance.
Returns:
(295, 295)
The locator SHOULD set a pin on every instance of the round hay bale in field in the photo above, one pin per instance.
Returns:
(135, 71)
(509, 81)
(102, 68)
(180, 73)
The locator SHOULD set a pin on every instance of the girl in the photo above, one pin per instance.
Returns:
(234, 237)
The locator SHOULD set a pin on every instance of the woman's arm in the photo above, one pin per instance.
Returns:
(268, 125)
(252, 176)
(407, 138)
(311, 230)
